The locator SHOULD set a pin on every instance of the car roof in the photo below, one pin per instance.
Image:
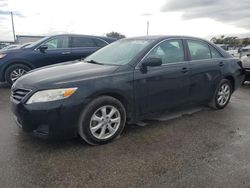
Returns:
(222, 44)
(161, 37)
(80, 35)
(246, 47)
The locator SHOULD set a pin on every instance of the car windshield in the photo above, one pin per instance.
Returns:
(37, 42)
(11, 47)
(23, 46)
(120, 52)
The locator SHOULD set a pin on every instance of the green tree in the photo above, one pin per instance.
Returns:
(219, 40)
(231, 41)
(246, 41)
(115, 35)
(214, 40)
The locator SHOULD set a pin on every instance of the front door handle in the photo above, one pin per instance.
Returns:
(221, 64)
(184, 70)
(66, 53)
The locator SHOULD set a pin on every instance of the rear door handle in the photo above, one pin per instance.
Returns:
(184, 70)
(65, 53)
(221, 64)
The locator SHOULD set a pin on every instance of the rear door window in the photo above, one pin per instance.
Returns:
(78, 42)
(198, 50)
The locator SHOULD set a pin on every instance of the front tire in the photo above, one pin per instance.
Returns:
(222, 95)
(102, 120)
(14, 72)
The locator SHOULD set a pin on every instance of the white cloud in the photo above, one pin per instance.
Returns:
(98, 17)
(227, 11)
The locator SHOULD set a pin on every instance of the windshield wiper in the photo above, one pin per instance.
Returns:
(94, 62)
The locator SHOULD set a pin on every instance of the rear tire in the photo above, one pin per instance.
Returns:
(222, 95)
(14, 72)
(102, 120)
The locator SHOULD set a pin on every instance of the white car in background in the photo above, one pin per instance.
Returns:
(246, 65)
(231, 50)
(234, 53)
(244, 51)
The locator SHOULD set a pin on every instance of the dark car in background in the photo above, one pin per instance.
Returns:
(123, 82)
(48, 51)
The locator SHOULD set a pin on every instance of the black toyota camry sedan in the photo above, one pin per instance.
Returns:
(123, 83)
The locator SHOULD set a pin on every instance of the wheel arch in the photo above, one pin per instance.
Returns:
(26, 63)
(117, 95)
(232, 81)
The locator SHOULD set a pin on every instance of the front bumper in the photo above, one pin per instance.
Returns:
(48, 120)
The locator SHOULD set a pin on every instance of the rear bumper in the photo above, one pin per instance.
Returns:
(55, 120)
(239, 77)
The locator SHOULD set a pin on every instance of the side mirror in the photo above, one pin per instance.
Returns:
(151, 62)
(43, 47)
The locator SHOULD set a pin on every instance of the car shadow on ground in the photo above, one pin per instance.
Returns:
(130, 132)
(26, 141)
(4, 86)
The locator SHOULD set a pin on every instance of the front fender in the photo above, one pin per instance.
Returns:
(11, 62)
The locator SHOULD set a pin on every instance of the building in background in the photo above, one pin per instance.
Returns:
(22, 39)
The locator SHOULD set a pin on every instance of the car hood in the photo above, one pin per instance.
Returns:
(63, 74)
(13, 51)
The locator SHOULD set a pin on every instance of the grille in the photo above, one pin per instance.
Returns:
(19, 94)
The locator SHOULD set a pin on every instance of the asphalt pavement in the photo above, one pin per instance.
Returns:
(194, 148)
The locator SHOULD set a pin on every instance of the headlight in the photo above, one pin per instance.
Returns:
(51, 95)
(2, 56)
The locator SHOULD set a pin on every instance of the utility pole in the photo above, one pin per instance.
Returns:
(13, 28)
(147, 27)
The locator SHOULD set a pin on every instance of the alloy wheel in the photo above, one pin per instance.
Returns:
(17, 73)
(105, 122)
(223, 94)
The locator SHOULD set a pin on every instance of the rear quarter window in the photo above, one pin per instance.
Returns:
(100, 43)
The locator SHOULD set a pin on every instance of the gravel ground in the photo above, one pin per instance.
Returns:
(193, 148)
